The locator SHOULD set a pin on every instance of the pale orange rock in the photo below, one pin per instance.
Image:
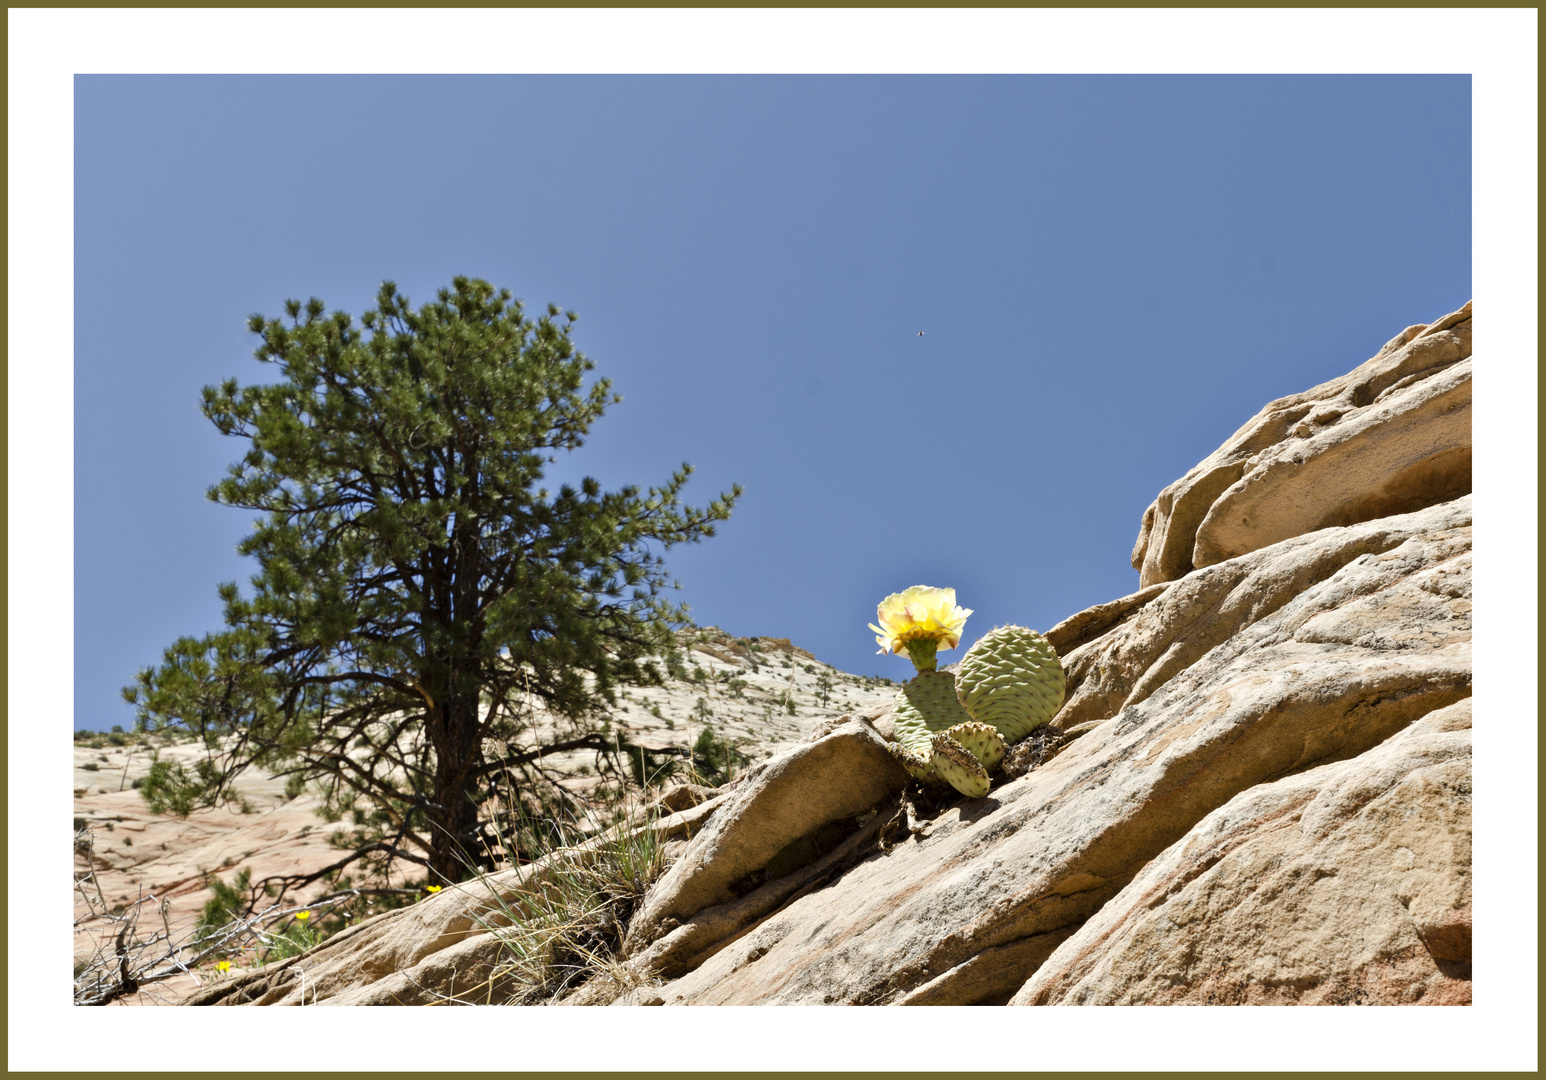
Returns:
(1347, 884)
(841, 774)
(446, 947)
(965, 911)
(1391, 436)
(1178, 625)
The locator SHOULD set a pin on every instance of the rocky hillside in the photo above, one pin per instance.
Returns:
(761, 696)
(1258, 789)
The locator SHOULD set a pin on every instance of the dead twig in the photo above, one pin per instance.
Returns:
(123, 962)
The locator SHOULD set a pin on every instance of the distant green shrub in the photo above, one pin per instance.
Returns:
(168, 788)
(716, 758)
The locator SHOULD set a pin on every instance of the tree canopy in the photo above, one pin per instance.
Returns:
(416, 587)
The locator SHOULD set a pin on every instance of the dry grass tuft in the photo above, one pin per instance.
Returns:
(568, 931)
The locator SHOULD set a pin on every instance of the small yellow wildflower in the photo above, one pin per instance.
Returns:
(303, 915)
(432, 888)
(223, 966)
(921, 619)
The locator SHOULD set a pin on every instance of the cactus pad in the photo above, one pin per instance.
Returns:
(1011, 679)
(982, 741)
(957, 767)
(927, 703)
(936, 741)
(919, 766)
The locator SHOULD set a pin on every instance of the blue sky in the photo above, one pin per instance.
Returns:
(1112, 273)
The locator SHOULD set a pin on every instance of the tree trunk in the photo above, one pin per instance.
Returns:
(454, 822)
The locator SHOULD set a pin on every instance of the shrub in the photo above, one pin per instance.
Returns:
(168, 788)
(715, 758)
(229, 902)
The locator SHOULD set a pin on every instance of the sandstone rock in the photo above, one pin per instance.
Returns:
(1346, 884)
(167, 857)
(681, 797)
(1100, 620)
(965, 911)
(1208, 607)
(712, 929)
(876, 716)
(135, 853)
(778, 803)
(440, 948)
(1391, 436)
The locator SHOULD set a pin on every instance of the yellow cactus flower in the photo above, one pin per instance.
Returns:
(432, 888)
(223, 966)
(303, 915)
(921, 620)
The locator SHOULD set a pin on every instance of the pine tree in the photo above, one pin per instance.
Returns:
(414, 583)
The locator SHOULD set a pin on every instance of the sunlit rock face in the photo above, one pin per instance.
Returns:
(1376, 637)
(1391, 436)
(1261, 794)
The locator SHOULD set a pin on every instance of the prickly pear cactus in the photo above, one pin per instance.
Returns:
(925, 704)
(981, 741)
(1011, 679)
(964, 755)
(938, 742)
